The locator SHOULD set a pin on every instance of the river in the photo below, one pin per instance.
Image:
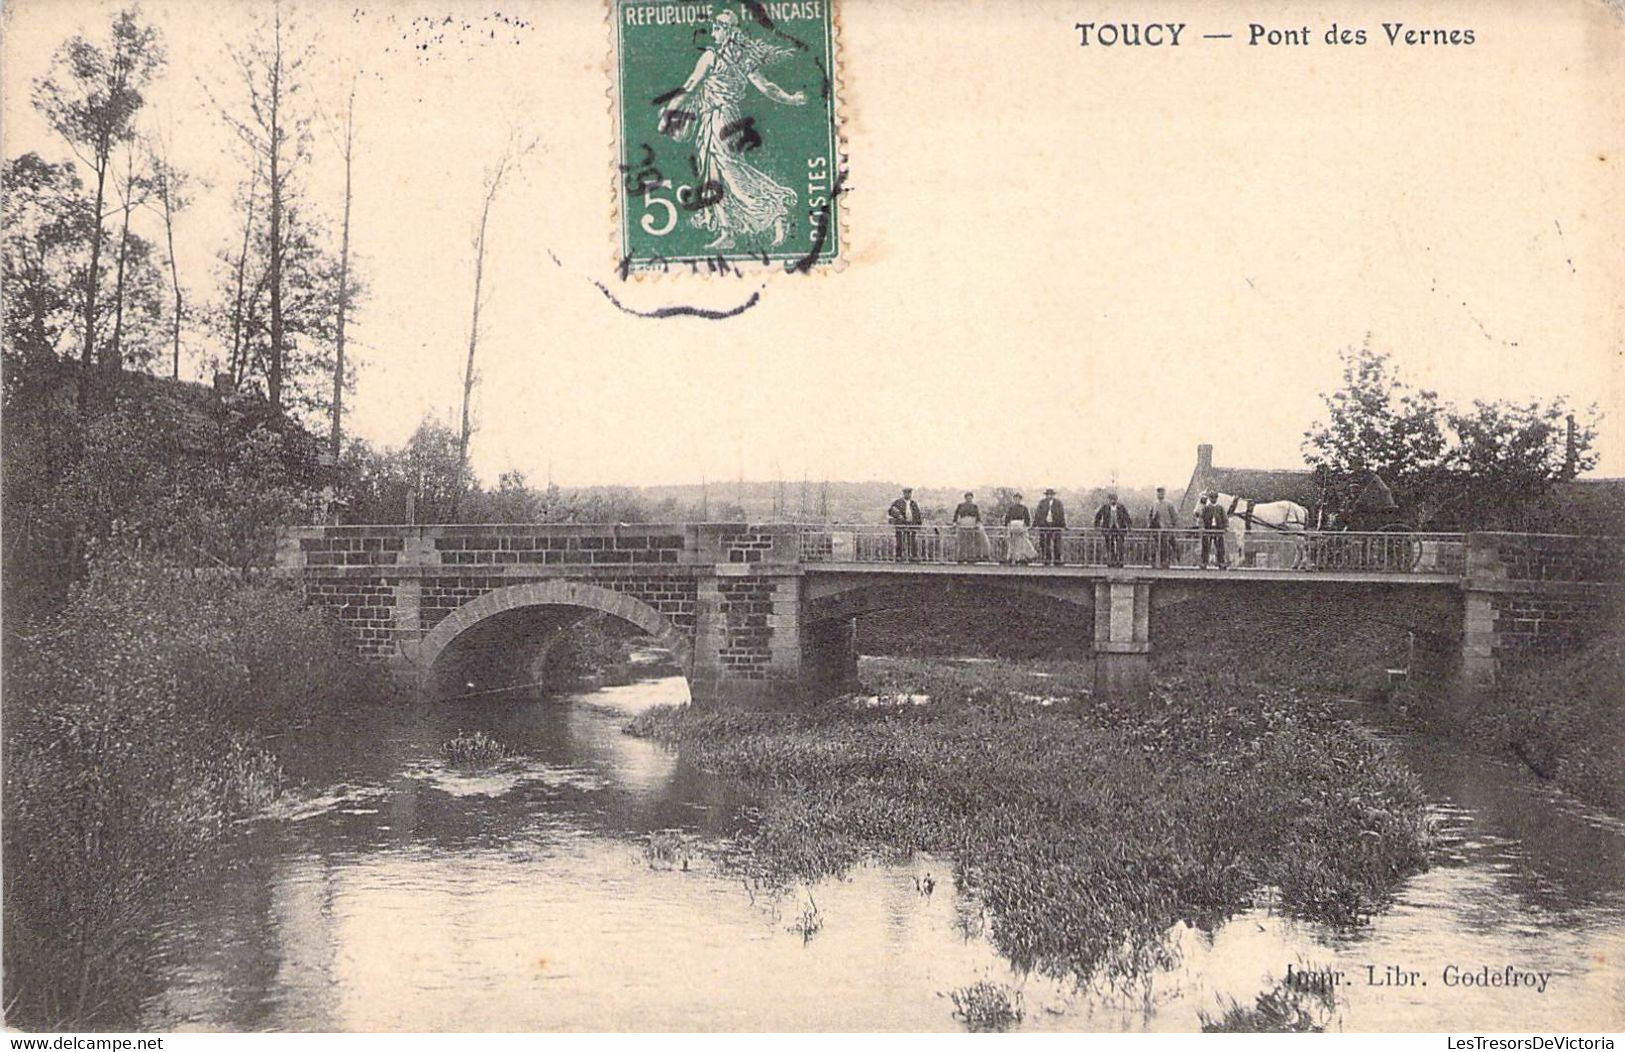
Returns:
(393, 892)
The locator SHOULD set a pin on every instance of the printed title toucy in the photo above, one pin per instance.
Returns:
(1172, 34)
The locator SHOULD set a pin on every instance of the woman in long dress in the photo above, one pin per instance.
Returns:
(972, 544)
(1017, 519)
(747, 201)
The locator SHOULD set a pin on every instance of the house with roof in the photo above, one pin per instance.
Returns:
(1262, 485)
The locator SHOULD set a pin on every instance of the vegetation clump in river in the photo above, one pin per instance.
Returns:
(473, 749)
(1284, 1008)
(987, 1006)
(1087, 829)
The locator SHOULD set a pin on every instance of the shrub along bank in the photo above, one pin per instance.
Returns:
(1086, 829)
(134, 735)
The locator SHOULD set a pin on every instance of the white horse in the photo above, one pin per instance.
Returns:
(1266, 530)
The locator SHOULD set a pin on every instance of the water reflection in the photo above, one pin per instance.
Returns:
(400, 894)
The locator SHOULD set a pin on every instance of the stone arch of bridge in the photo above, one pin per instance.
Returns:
(567, 594)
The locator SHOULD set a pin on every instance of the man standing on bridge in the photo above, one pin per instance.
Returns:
(905, 515)
(1114, 519)
(1213, 521)
(1050, 519)
(1163, 520)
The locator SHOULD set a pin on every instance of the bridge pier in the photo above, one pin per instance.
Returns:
(1122, 639)
(829, 657)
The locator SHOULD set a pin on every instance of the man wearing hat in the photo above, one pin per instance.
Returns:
(1213, 520)
(1113, 518)
(904, 514)
(1163, 518)
(1049, 519)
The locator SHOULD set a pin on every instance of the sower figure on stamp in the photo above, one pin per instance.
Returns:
(904, 514)
(735, 198)
(1114, 519)
(1214, 521)
(1163, 520)
(1050, 519)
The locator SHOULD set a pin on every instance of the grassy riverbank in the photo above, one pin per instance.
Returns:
(1563, 718)
(136, 729)
(1085, 829)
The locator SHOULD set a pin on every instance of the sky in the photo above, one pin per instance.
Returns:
(1065, 265)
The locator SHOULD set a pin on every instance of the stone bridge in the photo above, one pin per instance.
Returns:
(759, 613)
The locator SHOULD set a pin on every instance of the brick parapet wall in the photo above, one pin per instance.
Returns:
(351, 551)
(1521, 557)
(329, 548)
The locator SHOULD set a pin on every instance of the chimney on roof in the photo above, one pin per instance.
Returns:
(1204, 457)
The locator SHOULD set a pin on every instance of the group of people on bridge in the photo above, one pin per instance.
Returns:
(1047, 522)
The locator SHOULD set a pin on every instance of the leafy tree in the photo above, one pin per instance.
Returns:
(1508, 455)
(1377, 424)
(90, 97)
(1487, 467)
(420, 482)
(46, 227)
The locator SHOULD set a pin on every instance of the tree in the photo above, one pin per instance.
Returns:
(1509, 455)
(494, 176)
(169, 191)
(90, 97)
(132, 191)
(277, 135)
(1487, 467)
(46, 222)
(1377, 423)
(347, 151)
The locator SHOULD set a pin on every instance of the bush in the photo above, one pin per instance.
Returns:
(132, 740)
(987, 1006)
(476, 749)
(1282, 1009)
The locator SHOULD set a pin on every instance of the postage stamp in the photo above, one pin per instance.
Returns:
(728, 144)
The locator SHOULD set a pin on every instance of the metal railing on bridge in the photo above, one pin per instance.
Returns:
(1331, 552)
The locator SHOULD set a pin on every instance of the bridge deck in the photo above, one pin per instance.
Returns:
(1137, 573)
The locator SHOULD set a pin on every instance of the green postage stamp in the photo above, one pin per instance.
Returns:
(728, 139)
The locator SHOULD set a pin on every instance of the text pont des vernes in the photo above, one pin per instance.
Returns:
(1257, 34)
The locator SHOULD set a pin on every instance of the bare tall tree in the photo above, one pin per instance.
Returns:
(90, 97)
(494, 176)
(277, 136)
(169, 190)
(347, 150)
(241, 297)
(132, 194)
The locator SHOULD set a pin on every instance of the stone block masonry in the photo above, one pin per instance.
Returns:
(724, 593)
(1529, 597)
(365, 607)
